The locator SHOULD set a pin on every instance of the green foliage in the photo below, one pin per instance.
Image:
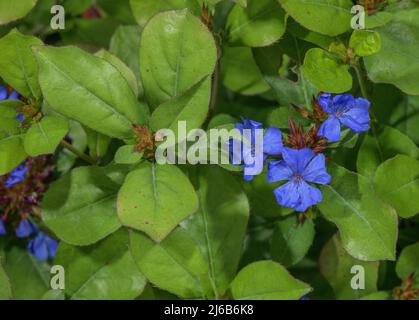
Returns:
(17, 63)
(336, 264)
(325, 72)
(80, 207)
(18, 10)
(261, 23)
(148, 200)
(80, 114)
(291, 240)
(267, 280)
(171, 50)
(102, 271)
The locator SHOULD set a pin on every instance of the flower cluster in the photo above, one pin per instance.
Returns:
(20, 193)
(296, 158)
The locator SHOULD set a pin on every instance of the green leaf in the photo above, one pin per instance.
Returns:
(88, 89)
(397, 62)
(122, 68)
(150, 201)
(405, 117)
(379, 295)
(175, 264)
(29, 278)
(325, 72)
(259, 24)
(262, 199)
(267, 280)
(54, 295)
(119, 10)
(173, 45)
(98, 143)
(124, 44)
(376, 149)
(90, 33)
(397, 183)
(76, 8)
(17, 63)
(192, 107)
(219, 225)
(43, 137)
(144, 10)
(368, 227)
(127, 155)
(336, 266)
(365, 42)
(11, 12)
(240, 73)
(80, 207)
(104, 271)
(12, 152)
(408, 262)
(378, 19)
(5, 289)
(291, 240)
(317, 15)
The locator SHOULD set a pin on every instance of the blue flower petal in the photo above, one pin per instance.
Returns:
(278, 171)
(325, 101)
(20, 117)
(287, 195)
(341, 102)
(14, 96)
(3, 93)
(17, 175)
(24, 229)
(38, 247)
(297, 159)
(272, 141)
(309, 196)
(297, 195)
(52, 245)
(2, 228)
(316, 171)
(330, 129)
(358, 117)
(254, 168)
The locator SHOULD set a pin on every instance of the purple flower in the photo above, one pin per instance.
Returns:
(2, 228)
(24, 229)
(343, 109)
(251, 149)
(4, 95)
(298, 167)
(43, 247)
(17, 175)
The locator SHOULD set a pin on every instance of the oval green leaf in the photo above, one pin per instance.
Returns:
(155, 198)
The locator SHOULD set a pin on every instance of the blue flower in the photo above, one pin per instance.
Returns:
(343, 109)
(17, 175)
(2, 228)
(24, 229)
(272, 144)
(43, 247)
(298, 167)
(20, 117)
(4, 95)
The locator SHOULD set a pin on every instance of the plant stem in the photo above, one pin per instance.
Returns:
(361, 80)
(77, 152)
